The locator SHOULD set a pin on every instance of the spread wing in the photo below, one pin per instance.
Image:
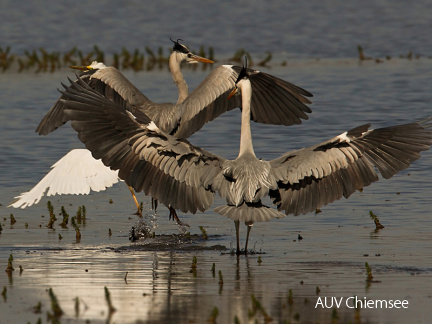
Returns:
(76, 173)
(274, 101)
(148, 159)
(312, 177)
(113, 78)
(112, 84)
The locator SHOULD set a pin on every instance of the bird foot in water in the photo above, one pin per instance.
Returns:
(138, 213)
(242, 252)
(173, 216)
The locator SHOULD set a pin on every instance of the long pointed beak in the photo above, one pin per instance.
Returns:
(82, 68)
(232, 93)
(200, 59)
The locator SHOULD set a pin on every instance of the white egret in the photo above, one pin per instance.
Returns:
(76, 173)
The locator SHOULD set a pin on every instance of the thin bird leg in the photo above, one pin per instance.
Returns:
(139, 212)
(173, 216)
(249, 227)
(237, 227)
(154, 204)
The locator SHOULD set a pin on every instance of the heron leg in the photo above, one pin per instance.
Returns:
(173, 215)
(139, 211)
(154, 204)
(249, 227)
(237, 227)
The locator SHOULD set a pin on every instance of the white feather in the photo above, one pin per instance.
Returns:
(77, 173)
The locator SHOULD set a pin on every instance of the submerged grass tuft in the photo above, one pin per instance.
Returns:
(213, 316)
(290, 297)
(77, 306)
(4, 294)
(51, 214)
(111, 308)
(194, 266)
(38, 308)
(65, 215)
(375, 218)
(146, 59)
(57, 312)
(77, 230)
(10, 267)
(213, 270)
(203, 232)
(257, 307)
(369, 277)
(81, 215)
(221, 281)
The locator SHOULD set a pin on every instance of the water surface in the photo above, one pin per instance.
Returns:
(318, 40)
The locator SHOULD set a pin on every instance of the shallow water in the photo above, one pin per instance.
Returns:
(159, 286)
(150, 280)
(317, 29)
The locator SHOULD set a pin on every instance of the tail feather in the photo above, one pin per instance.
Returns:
(256, 212)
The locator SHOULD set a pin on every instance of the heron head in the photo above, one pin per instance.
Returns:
(242, 75)
(95, 65)
(185, 55)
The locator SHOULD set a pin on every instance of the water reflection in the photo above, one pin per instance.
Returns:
(160, 288)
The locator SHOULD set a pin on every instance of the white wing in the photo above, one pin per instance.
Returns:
(77, 173)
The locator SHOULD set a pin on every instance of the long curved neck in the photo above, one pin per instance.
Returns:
(183, 89)
(246, 146)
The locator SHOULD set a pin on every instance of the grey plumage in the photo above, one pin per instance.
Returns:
(275, 101)
(297, 182)
(192, 111)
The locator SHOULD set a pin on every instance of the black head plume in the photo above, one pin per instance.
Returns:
(179, 47)
(243, 72)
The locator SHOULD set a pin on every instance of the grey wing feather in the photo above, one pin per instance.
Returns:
(249, 212)
(117, 81)
(208, 101)
(148, 160)
(56, 117)
(274, 101)
(312, 177)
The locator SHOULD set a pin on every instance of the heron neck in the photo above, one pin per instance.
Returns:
(246, 146)
(180, 82)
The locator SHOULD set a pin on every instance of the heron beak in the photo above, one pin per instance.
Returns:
(200, 59)
(232, 93)
(82, 68)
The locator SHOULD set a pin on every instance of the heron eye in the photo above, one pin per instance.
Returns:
(189, 55)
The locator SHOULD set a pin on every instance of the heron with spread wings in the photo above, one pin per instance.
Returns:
(274, 101)
(177, 172)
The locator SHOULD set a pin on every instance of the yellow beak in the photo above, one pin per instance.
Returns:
(82, 68)
(232, 93)
(200, 59)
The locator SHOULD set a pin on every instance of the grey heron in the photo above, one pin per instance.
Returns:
(56, 118)
(297, 182)
(275, 101)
